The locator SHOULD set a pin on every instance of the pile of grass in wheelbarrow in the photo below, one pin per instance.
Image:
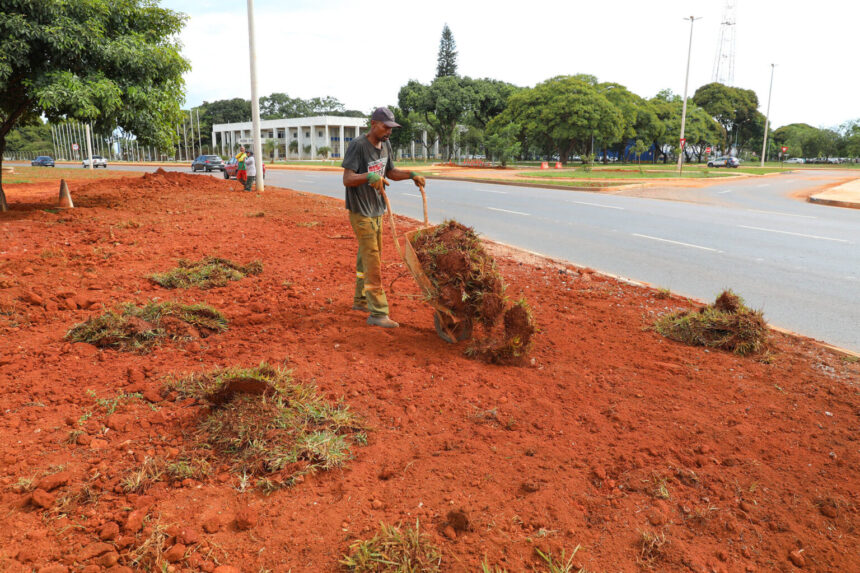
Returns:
(467, 282)
(265, 425)
(206, 273)
(134, 328)
(727, 324)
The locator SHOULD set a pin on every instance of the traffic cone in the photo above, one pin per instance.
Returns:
(544, 165)
(558, 164)
(65, 198)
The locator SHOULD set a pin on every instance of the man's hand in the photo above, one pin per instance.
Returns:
(376, 181)
(418, 179)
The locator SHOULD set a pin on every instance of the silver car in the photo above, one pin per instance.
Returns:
(98, 161)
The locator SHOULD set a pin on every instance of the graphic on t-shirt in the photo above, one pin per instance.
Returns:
(377, 166)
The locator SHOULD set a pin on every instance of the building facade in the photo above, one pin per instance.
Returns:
(309, 133)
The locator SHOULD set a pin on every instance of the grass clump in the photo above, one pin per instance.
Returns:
(394, 551)
(263, 424)
(727, 325)
(206, 273)
(130, 327)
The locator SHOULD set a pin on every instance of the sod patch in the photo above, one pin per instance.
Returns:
(208, 272)
(134, 328)
(727, 325)
(394, 551)
(265, 426)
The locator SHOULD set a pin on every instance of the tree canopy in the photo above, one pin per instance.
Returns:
(107, 63)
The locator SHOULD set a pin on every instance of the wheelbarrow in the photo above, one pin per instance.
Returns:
(449, 327)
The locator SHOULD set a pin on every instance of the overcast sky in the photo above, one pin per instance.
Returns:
(363, 52)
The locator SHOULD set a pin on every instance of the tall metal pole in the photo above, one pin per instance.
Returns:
(767, 115)
(89, 148)
(54, 143)
(682, 141)
(255, 102)
(199, 133)
(185, 139)
(191, 125)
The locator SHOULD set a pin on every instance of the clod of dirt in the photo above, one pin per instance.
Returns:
(727, 324)
(458, 519)
(246, 518)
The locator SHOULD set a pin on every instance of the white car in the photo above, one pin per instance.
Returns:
(795, 160)
(98, 161)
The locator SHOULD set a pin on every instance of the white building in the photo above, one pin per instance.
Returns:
(330, 131)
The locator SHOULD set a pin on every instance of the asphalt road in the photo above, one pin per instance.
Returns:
(798, 262)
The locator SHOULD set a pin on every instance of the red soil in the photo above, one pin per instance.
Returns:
(610, 431)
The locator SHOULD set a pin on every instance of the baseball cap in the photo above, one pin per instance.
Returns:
(384, 115)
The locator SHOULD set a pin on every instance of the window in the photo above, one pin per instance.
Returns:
(307, 134)
(296, 135)
(319, 134)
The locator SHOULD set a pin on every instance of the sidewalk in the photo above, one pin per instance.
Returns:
(845, 195)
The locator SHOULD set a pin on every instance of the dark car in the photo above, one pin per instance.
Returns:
(43, 161)
(207, 163)
(232, 167)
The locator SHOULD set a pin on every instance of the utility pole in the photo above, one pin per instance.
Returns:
(199, 134)
(767, 115)
(683, 141)
(185, 139)
(191, 125)
(89, 148)
(255, 102)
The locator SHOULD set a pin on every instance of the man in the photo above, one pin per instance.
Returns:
(241, 173)
(368, 161)
(251, 170)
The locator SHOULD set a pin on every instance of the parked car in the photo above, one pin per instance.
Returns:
(98, 161)
(795, 160)
(43, 161)
(725, 161)
(207, 163)
(232, 167)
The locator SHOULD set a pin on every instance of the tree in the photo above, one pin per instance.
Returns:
(325, 151)
(446, 62)
(503, 141)
(564, 113)
(293, 146)
(98, 61)
(441, 105)
(734, 108)
(32, 139)
(639, 148)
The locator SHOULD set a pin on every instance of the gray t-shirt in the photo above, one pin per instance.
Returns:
(363, 157)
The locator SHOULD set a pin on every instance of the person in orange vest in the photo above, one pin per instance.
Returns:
(241, 173)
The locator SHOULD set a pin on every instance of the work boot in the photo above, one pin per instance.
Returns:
(382, 321)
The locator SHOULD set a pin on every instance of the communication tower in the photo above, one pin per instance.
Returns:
(724, 63)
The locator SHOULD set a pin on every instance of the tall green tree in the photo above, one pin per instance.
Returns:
(440, 106)
(446, 61)
(734, 108)
(111, 63)
(563, 114)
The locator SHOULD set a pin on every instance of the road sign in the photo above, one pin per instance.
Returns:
(784, 149)
(75, 146)
(683, 142)
(707, 150)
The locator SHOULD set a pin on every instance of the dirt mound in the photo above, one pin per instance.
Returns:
(467, 282)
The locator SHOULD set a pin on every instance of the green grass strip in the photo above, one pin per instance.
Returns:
(209, 272)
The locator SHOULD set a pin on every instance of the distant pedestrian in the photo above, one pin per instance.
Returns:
(241, 172)
(251, 168)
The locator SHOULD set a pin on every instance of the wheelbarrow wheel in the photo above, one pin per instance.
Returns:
(451, 331)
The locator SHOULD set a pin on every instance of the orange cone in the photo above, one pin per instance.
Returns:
(544, 165)
(558, 164)
(65, 198)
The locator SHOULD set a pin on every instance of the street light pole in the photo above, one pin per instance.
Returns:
(255, 102)
(767, 115)
(682, 142)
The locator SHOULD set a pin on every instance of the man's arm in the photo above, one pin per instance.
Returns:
(353, 179)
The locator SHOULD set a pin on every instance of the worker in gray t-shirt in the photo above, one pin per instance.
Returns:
(368, 161)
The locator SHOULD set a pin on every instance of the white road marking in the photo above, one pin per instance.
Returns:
(412, 195)
(506, 211)
(305, 180)
(763, 185)
(488, 191)
(795, 234)
(597, 205)
(781, 213)
(724, 192)
(676, 242)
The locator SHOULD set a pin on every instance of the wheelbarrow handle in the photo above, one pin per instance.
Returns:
(391, 216)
